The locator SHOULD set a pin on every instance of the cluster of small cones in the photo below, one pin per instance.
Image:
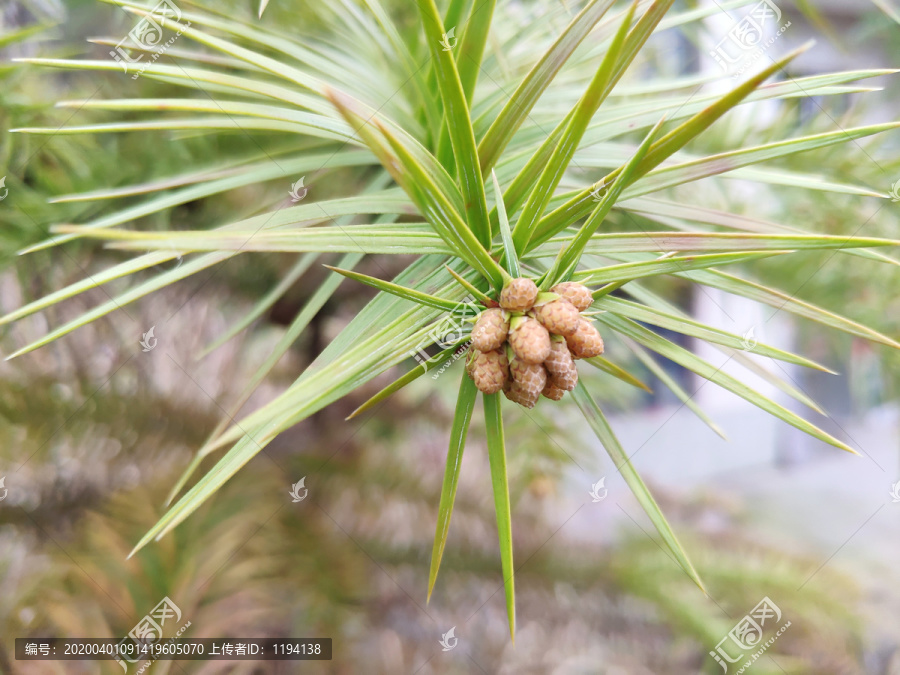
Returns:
(527, 347)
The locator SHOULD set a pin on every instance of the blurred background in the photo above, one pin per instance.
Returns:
(95, 431)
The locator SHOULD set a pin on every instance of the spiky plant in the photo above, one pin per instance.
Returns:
(444, 138)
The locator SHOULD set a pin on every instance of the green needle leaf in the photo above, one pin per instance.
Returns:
(663, 319)
(738, 355)
(445, 218)
(517, 192)
(607, 437)
(674, 387)
(477, 293)
(569, 256)
(310, 308)
(618, 372)
(536, 82)
(787, 302)
(399, 291)
(471, 52)
(649, 268)
(377, 338)
(132, 294)
(404, 380)
(662, 149)
(462, 137)
(512, 260)
(571, 137)
(264, 304)
(500, 483)
(705, 369)
(465, 404)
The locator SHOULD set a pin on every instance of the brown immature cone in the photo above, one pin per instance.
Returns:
(561, 366)
(553, 392)
(528, 381)
(489, 370)
(558, 316)
(578, 294)
(529, 340)
(490, 330)
(516, 395)
(586, 342)
(519, 295)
